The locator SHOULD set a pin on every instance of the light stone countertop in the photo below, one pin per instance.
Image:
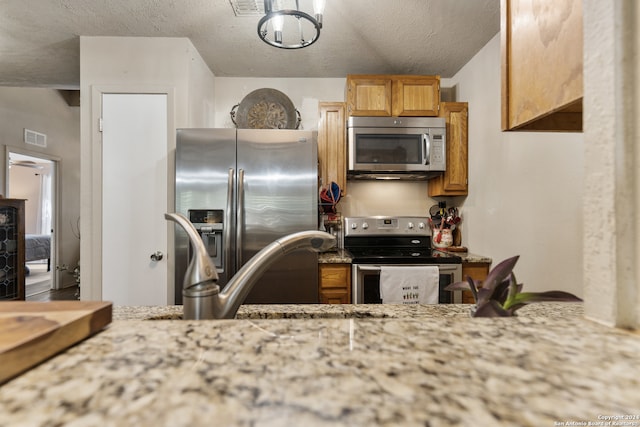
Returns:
(342, 256)
(473, 258)
(339, 256)
(390, 365)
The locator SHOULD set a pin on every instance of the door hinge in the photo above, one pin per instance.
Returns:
(100, 124)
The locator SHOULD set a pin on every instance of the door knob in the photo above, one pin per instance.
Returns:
(157, 256)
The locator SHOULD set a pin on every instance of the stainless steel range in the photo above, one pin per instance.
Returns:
(395, 241)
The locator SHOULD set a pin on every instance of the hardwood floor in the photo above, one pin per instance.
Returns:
(66, 294)
(38, 284)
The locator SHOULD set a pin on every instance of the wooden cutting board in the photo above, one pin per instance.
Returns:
(31, 332)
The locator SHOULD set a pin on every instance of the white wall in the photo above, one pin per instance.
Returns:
(45, 111)
(525, 189)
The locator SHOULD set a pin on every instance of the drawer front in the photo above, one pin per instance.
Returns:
(334, 276)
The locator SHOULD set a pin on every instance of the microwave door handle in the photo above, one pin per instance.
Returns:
(426, 148)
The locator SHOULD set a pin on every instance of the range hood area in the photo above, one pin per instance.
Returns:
(390, 175)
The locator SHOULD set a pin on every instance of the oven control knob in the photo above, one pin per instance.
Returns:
(365, 225)
(421, 225)
(354, 226)
(410, 225)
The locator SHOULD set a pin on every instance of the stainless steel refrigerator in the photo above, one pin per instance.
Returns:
(243, 189)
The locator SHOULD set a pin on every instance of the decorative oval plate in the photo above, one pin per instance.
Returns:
(265, 109)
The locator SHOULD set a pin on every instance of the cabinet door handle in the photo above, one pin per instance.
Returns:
(156, 256)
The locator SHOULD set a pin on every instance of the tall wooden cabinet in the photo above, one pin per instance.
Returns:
(542, 61)
(12, 249)
(454, 181)
(392, 95)
(332, 144)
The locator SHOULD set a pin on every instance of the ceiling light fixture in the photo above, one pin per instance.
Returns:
(285, 28)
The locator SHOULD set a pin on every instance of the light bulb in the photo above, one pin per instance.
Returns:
(278, 23)
(318, 10)
(318, 6)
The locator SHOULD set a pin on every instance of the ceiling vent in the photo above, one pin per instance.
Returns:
(35, 138)
(247, 7)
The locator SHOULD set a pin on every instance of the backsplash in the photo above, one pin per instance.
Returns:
(367, 198)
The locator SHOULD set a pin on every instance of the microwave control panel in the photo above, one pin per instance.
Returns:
(437, 154)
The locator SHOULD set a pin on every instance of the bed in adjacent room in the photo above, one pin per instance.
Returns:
(38, 247)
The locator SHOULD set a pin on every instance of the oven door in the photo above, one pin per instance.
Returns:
(366, 283)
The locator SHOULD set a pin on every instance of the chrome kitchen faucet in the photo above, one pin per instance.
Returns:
(202, 298)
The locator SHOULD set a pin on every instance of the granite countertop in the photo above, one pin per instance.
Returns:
(342, 365)
(338, 256)
(342, 256)
(471, 257)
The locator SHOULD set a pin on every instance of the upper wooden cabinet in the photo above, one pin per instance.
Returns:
(454, 181)
(392, 95)
(541, 44)
(332, 147)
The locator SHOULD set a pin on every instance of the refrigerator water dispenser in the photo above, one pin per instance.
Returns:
(210, 226)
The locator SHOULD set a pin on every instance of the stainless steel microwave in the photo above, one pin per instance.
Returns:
(410, 148)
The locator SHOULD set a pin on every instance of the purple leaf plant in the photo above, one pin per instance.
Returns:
(500, 295)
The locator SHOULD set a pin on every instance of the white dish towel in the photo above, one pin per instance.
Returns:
(409, 285)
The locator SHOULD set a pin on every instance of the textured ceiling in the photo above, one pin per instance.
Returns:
(39, 39)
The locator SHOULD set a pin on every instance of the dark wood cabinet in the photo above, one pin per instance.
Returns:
(12, 249)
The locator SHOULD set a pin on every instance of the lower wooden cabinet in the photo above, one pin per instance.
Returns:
(477, 271)
(335, 283)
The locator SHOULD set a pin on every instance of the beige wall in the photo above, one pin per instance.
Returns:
(303, 93)
(45, 111)
(525, 195)
(25, 183)
(525, 189)
(133, 65)
(363, 198)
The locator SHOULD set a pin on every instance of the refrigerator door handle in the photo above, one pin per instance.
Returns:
(229, 227)
(240, 219)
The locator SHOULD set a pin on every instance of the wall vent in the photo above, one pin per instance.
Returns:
(247, 7)
(35, 138)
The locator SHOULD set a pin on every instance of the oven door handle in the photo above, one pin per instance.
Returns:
(368, 268)
(441, 267)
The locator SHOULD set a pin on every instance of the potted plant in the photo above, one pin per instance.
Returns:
(501, 295)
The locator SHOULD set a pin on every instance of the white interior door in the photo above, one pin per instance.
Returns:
(134, 198)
